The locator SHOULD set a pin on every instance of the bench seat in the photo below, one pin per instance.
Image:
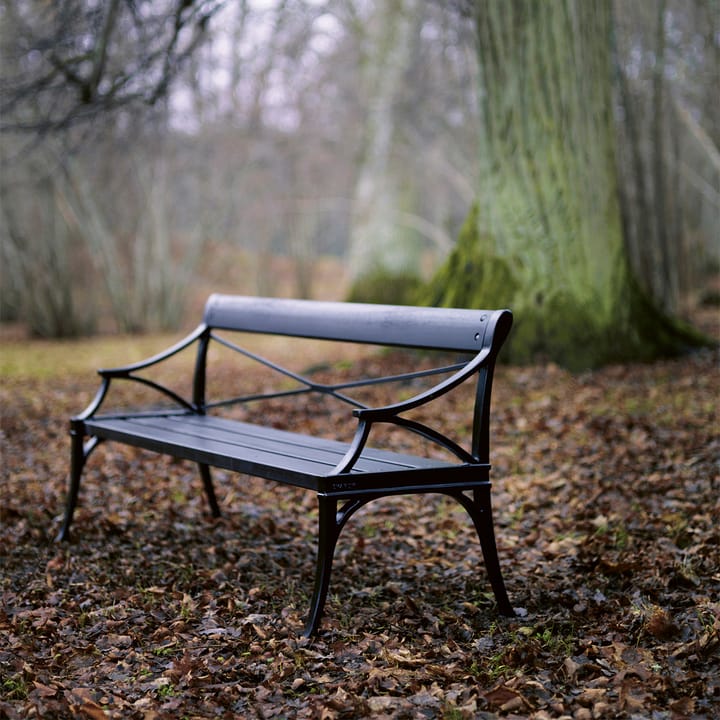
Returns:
(295, 459)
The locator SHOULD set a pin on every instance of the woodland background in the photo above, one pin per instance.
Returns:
(241, 132)
(233, 147)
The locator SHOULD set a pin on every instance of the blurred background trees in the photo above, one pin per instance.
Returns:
(84, 94)
(145, 144)
(667, 63)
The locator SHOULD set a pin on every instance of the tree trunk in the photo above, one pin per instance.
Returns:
(546, 237)
(375, 242)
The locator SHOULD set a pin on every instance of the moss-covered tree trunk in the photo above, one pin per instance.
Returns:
(546, 236)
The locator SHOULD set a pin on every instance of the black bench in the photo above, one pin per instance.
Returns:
(353, 472)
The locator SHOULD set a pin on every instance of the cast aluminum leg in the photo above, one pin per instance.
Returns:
(328, 533)
(78, 455)
(480, 510)
(209, 489)
(330, 524)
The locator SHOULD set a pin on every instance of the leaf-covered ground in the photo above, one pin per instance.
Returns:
(606, 490)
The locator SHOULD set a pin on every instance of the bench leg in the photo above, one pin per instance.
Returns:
(328, 533)
(78, 455)
(330, 524)
(480, 510)
(209, 489)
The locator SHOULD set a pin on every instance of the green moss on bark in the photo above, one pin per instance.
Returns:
(471, 276)
(555, 325)
(385, 286)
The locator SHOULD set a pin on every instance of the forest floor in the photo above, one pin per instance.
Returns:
(606, 495)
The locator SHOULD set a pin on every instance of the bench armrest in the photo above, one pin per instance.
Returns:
(125, 370)
(356, 447)
(390, 411)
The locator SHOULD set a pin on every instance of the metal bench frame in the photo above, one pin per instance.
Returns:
(345, 476)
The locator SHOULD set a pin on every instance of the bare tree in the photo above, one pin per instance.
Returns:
(67, 67)
(69, 61)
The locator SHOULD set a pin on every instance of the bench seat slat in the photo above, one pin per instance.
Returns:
(244, 447)
(293, 445)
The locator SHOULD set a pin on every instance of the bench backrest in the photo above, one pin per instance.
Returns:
(397, 325)
(450, 329)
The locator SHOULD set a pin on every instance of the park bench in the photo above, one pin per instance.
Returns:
(344, 475)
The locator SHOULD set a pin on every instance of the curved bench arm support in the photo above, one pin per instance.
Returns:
(388, 411)
(356, 447)
(125, 370)
(92, 408)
